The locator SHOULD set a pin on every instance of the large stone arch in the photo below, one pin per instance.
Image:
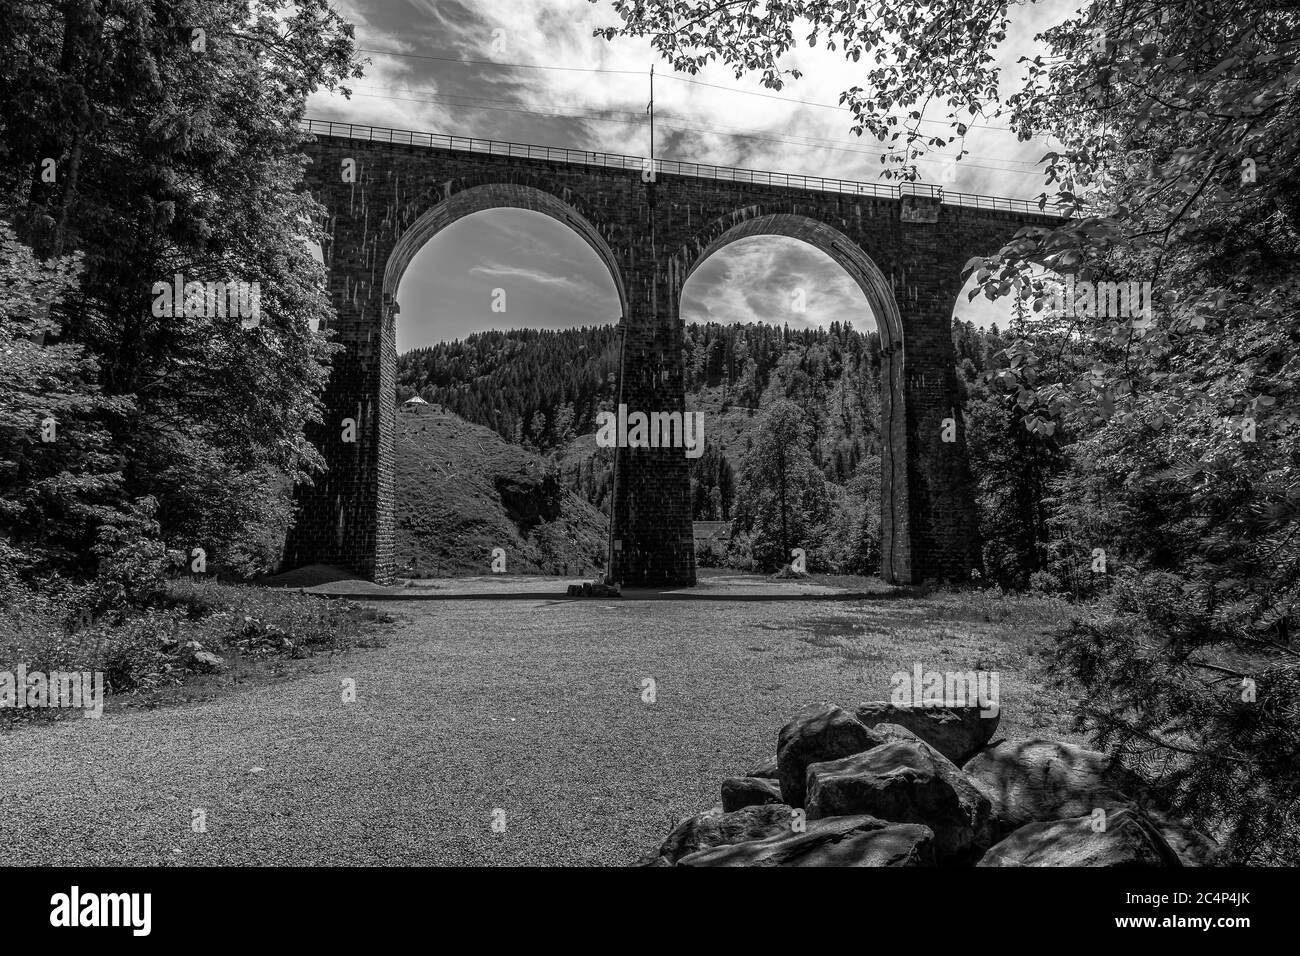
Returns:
(347, 515)
(896, 557)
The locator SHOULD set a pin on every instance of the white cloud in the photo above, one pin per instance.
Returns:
(558, 33)
(768, 279)
(576, 286)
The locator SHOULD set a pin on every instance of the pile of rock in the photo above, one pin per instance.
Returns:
(900, 786)
(594, 589)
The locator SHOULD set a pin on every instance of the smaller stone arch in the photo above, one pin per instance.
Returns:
(847, 254)
(895, 539)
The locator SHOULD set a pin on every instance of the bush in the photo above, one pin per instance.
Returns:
(740, 552)
(710, 554)
(1044, 582)
(133, 561)
(140, 654)
(1211, 727)
(199, 627)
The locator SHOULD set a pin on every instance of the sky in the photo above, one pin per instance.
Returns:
(466, 69)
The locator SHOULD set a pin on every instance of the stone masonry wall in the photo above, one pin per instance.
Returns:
(906, 254)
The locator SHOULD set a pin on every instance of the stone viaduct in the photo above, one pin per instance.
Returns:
(387, 192)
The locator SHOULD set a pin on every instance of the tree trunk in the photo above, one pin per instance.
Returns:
(785, 534)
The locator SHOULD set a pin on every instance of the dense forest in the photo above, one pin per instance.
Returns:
(542, 390)
(543, 387)
(534, 386)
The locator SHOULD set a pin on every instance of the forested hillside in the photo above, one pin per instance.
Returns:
(541, 390)
(544, 386)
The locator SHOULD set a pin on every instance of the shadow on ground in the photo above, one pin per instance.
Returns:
(713, 585)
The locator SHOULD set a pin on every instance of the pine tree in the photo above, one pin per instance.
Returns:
(563, 428)
(537, 428)
(785, 502)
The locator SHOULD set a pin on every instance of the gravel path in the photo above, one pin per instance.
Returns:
(533, 707)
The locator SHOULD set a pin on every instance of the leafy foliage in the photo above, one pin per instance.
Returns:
(156, 153)
(60, 478)
(1189, 425)
(912, 54)
(784, 503)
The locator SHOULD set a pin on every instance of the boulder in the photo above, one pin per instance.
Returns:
(206, 660)
(817, 733)
(594, 589)
(840, 841)
(1034, 780)
(893, 732)
(1128, 839)
(716, 828)
(741, 792)
(906, 781)
(765, 768)
(956, 732)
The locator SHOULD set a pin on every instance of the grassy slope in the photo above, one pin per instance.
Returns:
(152, 657)
(451, 512)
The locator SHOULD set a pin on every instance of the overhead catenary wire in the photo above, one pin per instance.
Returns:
(814, 143)
(478, 103)
(505, 64)
(824, 106)
(501, 63)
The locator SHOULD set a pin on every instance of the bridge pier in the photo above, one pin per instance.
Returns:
(651, 538)
(344, 517)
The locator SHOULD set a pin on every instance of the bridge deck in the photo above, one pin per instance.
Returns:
(378, 134)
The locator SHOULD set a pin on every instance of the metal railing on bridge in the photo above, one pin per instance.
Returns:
(562, 154)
